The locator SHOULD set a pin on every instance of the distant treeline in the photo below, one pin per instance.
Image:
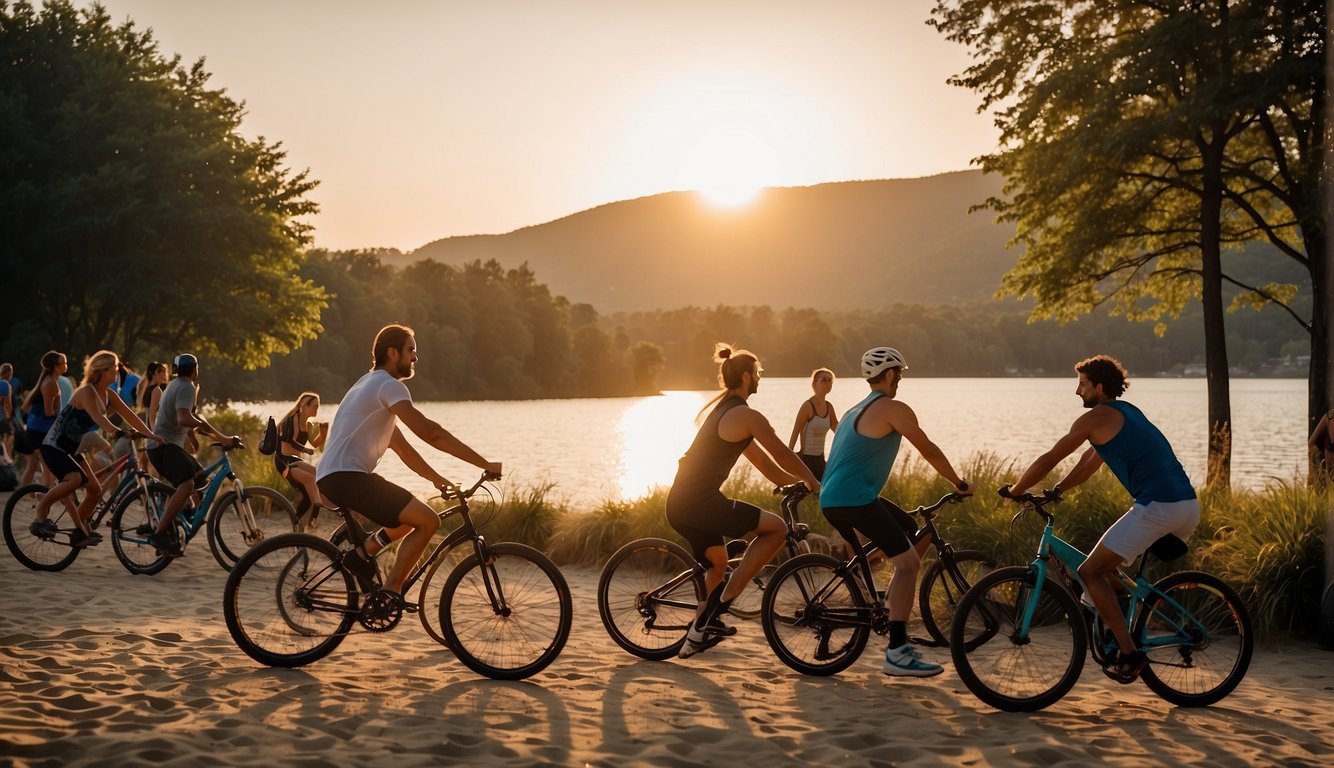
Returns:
(485, 332)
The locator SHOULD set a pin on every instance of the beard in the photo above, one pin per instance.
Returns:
(403, 371)
(1090, 403)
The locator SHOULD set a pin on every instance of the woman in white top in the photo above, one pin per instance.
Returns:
(815, 420)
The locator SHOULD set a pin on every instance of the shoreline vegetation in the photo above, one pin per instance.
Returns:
(1268, 543)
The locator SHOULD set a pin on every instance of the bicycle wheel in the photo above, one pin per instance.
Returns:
(288, 602)
(816, 621)
(229, 536)
(507, 618)
(943, 586)
(433, 589)
(50, 552)
(1195, 659)
(1003, 669)
(134, 519)
(648, 594)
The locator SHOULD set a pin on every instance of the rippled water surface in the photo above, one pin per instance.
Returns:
(598, 449)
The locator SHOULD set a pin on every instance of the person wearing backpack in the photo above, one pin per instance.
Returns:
(294, 439)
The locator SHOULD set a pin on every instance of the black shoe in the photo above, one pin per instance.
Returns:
(166, 544)
(79, 540)
(363, 570)
(43, 529)
(717, 627)
(1124, 668)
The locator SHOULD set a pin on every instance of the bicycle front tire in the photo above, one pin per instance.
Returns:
(816, 620)
(1005, 670)
(1200, 670)
(648, 594)
(31, 550)
(134, 519)
(228, 534)
(943, 587)
(507, 618)
(289, 602)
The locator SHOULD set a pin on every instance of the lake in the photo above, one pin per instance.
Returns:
(594, 450)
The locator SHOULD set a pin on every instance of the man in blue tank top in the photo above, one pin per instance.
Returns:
(1135, 450)
(863, 453)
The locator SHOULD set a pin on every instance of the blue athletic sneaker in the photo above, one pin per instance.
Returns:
(907, 661)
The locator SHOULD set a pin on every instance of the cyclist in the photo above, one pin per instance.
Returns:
(293, 440)
(860, 459)
(362, 429)
(176, 422)
(697, 509)
(86, 410)
(812, 426)
(1120, 436)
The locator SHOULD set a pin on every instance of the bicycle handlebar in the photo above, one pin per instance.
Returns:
(796, 489)
(447, 495)
(1030, 499)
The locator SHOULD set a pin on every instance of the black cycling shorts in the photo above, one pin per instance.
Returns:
(710, 521)
(882, 521)
(62, 464)
(369, 494)
(175, 464)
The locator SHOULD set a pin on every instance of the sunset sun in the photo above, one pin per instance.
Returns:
(728, 167)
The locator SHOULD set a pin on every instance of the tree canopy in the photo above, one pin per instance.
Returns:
(136, 215)
(1141, 139)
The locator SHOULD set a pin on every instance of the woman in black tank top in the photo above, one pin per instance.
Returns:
(696, 507)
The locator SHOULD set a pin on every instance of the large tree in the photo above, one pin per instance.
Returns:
(135, 214)
(1125, 128)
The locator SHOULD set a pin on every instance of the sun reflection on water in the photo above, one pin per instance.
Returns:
(654, 433)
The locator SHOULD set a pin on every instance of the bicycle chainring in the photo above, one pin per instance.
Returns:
(380, 612)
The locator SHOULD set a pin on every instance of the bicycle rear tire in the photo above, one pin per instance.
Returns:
(288, 601)
(648, 594)
(529, 628)
(816, 621)
(32, 551)
(131, 523)
(1201, 673)
(228, 538)
(1008, 672)
(942, 589)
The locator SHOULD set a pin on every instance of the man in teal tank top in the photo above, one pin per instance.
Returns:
(864, 449)
(1120, 436)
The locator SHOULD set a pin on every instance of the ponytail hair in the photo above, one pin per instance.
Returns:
(49, 362)
(732, 363)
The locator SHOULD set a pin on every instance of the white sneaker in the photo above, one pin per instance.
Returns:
(698, 640)
(907, 661)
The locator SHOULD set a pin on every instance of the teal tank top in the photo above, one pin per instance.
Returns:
(1142, 459)
(858, 465)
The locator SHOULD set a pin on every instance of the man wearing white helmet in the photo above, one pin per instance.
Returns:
(859, 463)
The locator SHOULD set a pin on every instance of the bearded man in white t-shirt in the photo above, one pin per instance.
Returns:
(364, 426)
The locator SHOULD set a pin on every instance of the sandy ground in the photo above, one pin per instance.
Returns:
(99, 667)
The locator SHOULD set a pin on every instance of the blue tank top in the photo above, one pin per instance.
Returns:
(38, 421)
(858, 465)
(1142, 459)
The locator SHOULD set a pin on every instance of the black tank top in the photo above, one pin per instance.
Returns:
(709, 460)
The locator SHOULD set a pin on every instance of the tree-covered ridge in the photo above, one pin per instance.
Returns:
(485, 332)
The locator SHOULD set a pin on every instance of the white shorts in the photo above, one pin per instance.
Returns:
(1140, 527)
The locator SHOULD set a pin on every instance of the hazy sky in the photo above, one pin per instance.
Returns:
(424, 119)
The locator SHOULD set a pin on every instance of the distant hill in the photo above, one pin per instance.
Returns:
(844, 245)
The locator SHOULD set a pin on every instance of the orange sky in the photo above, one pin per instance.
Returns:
(429, 118)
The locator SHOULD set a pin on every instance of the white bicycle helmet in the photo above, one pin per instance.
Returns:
(879, 359)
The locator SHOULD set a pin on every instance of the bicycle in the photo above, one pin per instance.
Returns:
(1019, 635)
(819, 612)
(236, 520)
(48, 547)
(650, 589)
(505, 610)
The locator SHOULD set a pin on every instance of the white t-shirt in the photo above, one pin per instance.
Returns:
(363, 425)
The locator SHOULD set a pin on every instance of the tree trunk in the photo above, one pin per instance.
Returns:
(1215, 344)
